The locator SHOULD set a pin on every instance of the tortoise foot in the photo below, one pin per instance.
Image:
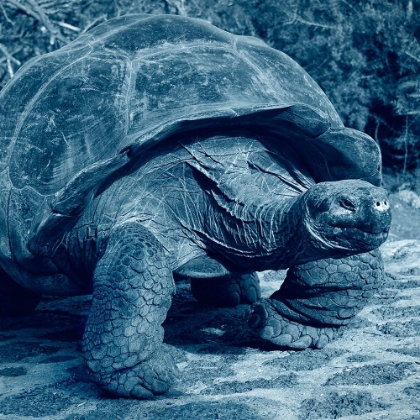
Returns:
(277, 329)
(144, 380)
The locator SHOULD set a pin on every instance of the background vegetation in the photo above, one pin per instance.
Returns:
(365, 54)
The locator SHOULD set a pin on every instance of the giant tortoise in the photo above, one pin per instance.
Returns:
(156, 147)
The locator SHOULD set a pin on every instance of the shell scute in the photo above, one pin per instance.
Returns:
(19, 96)
(201, 79)
(285, 79)
(76, 121)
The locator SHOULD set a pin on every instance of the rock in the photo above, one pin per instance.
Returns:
(409, 197)
(402, 257)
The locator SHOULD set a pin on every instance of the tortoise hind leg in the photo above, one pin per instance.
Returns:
(133, 287)
(219, 284)
(230, 290)
(316, 299)
(15, 300)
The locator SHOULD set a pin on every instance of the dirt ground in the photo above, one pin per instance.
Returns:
(371, 372)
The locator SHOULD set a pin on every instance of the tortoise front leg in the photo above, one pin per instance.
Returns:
(316, 299)
(122, 343)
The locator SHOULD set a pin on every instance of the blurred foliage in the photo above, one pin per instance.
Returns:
(365, 54)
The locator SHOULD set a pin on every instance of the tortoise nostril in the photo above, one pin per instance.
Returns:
(382, 205)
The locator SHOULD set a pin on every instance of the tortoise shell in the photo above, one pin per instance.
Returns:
(71, 118)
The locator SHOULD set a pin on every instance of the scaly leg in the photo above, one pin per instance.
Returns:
(133, 288)
(316, 299)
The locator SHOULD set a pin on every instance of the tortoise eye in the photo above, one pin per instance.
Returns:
(347, 204)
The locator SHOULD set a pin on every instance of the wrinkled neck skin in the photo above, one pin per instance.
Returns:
(264, 237)
(307, 243)
(294, 240)
(276, 236)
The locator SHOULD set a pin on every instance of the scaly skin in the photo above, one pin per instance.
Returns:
(122, 343)
(316, 298)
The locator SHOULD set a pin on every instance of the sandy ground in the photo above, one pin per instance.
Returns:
(372, 371)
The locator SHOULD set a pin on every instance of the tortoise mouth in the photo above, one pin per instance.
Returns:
(350, 239)
(369, 239)
(376, 231)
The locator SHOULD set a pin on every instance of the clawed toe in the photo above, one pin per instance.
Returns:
(277, 329)
(144, 380)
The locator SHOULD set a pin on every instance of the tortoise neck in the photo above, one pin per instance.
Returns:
(286, 233)
(265, 238)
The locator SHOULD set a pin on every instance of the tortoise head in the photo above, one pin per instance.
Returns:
(349, 216)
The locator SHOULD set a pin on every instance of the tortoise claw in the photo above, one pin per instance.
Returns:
(277, 329)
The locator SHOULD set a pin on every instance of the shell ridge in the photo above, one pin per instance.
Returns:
(116, 104)
(105, 36)
(11, 135)
(130, 89)
(162, 49)
(261, 79)
(345, 148)
(22, 69)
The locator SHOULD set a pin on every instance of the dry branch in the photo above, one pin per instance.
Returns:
(9, 59)
(37, 12)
